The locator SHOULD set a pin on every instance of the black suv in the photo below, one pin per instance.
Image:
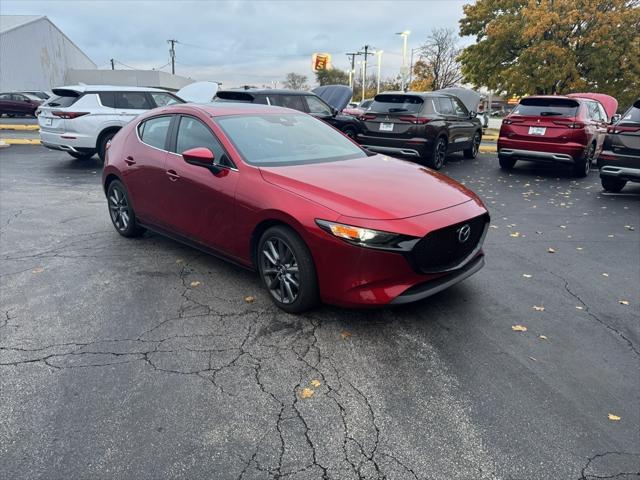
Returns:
(303, 101)
(619, 161)
(424, 126)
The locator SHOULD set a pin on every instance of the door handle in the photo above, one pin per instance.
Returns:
(173, 176)
(129, 160)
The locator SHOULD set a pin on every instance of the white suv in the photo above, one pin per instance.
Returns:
(82, 119)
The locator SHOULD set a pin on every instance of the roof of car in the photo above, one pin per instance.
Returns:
(108, 88)
(221, 109)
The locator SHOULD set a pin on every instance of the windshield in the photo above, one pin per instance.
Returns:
(286, 139)
(547, 107)
(631, 116)
(396, 103)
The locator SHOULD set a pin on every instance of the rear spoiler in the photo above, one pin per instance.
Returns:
(234, 96)
(66, 92)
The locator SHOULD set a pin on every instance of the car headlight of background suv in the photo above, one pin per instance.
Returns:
(366, 237)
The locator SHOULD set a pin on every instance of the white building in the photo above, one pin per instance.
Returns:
(35, 54)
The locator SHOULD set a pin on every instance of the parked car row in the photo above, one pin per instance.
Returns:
(21, 104)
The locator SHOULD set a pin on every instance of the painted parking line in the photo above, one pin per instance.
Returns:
(21, 141)
(19, 127)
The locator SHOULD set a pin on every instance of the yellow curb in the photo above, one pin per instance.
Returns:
(21, 141)
(19, 127)
(488, 149)
(490, 137)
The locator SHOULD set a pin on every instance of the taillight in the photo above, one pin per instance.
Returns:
(415, 120)
(507, 121)
(569, 124)
(367, 116)
(68, 115)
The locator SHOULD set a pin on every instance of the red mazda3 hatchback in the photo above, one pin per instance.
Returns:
(283, 193)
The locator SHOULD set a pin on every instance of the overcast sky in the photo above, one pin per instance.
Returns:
(240, 42)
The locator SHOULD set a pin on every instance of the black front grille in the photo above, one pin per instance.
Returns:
(441, 250)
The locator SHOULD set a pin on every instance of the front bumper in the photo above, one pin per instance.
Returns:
(354, 276)
(623, 173)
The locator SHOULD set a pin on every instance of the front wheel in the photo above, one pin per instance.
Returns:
(438, 154)
(287, 270)
(472, 151)
(612, 184)
(122, 215)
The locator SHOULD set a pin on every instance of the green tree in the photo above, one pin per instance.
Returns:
(295, 81)
(554, 46)
(333, 76)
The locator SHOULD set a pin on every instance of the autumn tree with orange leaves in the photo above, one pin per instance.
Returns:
(554, 46)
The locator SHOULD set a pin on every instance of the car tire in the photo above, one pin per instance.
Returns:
(438, 154)
(283, 261)
(82, 155)
(102, 144)
(472, 151)
(350, 132)
(121, 211)
(506, 163)
(611, 184)
(582, 167)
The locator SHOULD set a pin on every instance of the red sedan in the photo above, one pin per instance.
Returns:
(280, 192)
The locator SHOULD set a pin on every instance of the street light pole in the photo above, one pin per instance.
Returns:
(366, 54)
(353, 68)
(379, 55)
(411, 66)
(405, 36)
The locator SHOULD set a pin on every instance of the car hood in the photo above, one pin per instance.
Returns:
(198, 92)
(338, 96)
(470, 98)
(609, 103)
(376, 187)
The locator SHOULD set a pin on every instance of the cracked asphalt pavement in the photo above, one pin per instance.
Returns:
(125, 359)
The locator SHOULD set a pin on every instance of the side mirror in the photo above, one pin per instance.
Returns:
(615, 118)
(334, 112)
(473, 114)
(201, 157)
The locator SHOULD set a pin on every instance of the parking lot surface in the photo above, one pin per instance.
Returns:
(145, 358)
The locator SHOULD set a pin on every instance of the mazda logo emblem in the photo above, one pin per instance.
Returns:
(464, 232)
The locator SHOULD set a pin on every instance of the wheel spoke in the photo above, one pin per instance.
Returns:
(272, 260)
(292, 279)
(274, 283)
(290, 295)
(274, 253)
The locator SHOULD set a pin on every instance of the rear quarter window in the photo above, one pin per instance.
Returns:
(63, 101)
(396, 103)
(541, 107)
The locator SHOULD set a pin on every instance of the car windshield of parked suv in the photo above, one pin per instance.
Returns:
(286, 139)
(632, 115)
(543, 107)
(396, 104)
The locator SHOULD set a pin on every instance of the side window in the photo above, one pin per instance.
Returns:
(459, 109)
(5, 96)
(163, 99)
(18, 98)
(290, 101)
(107, 99)
(261, 99)
(317, 106)
(133, 101)
(603, 114)
(445, 107)
(153, 131)
(192, 133)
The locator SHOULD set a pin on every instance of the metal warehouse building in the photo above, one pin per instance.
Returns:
(35, 54)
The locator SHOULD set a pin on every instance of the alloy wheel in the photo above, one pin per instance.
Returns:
(476, 145)
(440, 153)
(119, 209)
(280, 270)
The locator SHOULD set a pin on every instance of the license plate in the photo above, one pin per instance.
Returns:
(537, 130)
(386, 127)
(48, 122)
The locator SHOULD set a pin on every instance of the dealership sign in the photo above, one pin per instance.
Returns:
(320, 61)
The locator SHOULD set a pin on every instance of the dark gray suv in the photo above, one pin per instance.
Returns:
(422, 126)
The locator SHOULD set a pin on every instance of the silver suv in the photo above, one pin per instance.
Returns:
(81, 119)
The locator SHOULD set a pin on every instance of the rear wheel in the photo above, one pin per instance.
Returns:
(506, 163)
(287, 270)
(122, 215)
(611, 184)
(102, 144)
(474, 148)
(438, 154)
(582, 167)
(82, 155)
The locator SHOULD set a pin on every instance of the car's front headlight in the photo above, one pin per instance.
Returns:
(366, 237)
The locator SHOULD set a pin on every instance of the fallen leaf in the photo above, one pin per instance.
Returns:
(579, 307)
(610, 236)
(316, 383)
(613, 417)
(605, 274)
(563, 226)
(533, 358)
(196, 283)
(538, 309)
(306, 393)
(623, 302)
(37, 270)
(578, 248)
(551, 250)
(629, 227)
(345, 334)
(249, 299)
(494, 226)
(179, 260)
(514, 234)
(526, 275)
(542, 337)
(518, 328)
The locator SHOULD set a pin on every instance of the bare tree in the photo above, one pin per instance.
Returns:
(295, 81)
(439, 58)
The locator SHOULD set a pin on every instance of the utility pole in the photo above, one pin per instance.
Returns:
(379, 55)
(113, 67)
(411, 66)
(172, 54)
(366, 54)
(353, 68)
